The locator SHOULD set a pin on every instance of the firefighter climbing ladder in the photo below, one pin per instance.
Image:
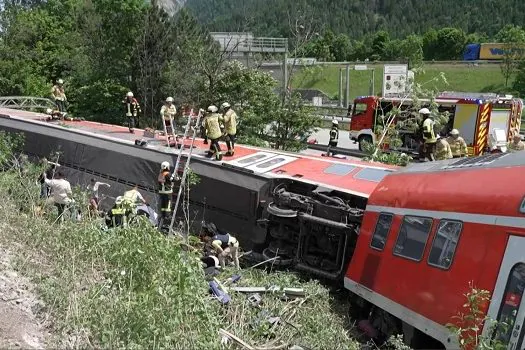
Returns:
(186, 165)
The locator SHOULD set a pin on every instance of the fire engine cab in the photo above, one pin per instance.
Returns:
(480, 118)
(430, 231)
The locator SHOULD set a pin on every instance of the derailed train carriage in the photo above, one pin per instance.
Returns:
(306, 209)
(407, 243)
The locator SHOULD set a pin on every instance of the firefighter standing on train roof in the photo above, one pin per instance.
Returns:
(224, 244)
(429, 135)
(442, 150)
(132, 108)
(165, 181)
(168, 112)
(334, 137)
(230, 127)
(517, 144)
(59, 96)
(457, 144)
(213, 132)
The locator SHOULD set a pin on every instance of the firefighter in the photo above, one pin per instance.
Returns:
(442, 149)
(224, 244)
(165, 181)
(457, 144)
(132, 198)
(132, 108)
(59, 96)
(118, 215)
(168, 112)
(230, 127)
(213, 132)
(334, 137)
(429, 135)
(517, 144)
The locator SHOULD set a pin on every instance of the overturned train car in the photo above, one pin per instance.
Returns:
(305, 209)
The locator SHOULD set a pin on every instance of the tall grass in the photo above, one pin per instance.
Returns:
(133, 288)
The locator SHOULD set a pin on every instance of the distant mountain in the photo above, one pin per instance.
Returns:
(359, 17)
(171, 6)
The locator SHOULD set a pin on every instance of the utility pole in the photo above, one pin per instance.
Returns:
(347, 90)
(341, 87)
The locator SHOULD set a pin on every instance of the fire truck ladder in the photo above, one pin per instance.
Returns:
(186, 166)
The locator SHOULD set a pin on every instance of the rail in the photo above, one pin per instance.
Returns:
(26, 102)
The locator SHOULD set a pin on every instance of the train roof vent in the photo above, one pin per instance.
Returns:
(475, 161)
(339, 169)
(372, 174)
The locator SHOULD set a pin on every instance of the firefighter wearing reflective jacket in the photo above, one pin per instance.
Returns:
(429, 135)
(132, 110)
(168, 112)
(165, 189)
(229, 119)
(442, 149)
(224, 244)
(457, 144)
(117, 216)
(213, 132)
(334, 137)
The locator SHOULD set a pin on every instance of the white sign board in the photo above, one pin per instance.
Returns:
(361, 67)
(317, 101)
(395, 77)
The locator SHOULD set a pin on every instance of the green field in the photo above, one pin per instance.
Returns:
(460, 77)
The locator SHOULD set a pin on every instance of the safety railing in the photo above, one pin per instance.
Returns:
(246, 43)
(26, 102)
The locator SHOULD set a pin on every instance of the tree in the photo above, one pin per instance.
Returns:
(379, 45)
(513, 38)
(411, 49)
(341, 48)
(450, 43)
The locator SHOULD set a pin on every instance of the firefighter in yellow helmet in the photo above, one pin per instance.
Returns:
(230, 127)
(59, 95)
(517, 144)
(165, 181)
(213, 132)
(457, 144)
(429, 134)
(442, 150)
(168, 112)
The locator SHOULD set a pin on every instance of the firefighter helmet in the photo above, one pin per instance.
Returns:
(335, 122)
(165, 166)
(424, 111)
(60, 81)
(225, 105)
(119, 200)
(129, 94)
(49, 111)
(454, 132)
(212, 109)
(169, 99)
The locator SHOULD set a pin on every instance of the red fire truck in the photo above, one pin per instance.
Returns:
(476, 116)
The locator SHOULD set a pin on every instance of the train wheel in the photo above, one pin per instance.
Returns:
(283, 213)
(281, 261)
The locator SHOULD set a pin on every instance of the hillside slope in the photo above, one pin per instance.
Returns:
(358, 17)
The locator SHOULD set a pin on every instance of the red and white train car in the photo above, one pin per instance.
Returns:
(432, 229)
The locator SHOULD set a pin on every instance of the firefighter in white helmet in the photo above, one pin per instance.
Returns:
(213, 132)
(132, 108)
(334, 137)
(165, 181)
(429, 134)
(59, 96)
(168, 112)
(229, 119)
(457, 144)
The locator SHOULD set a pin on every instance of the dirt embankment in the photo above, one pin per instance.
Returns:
(19, 327)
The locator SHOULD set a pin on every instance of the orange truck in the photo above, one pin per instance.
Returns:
(476, 116)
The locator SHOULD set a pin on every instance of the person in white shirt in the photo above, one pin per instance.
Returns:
(60, 192)
(93, 192)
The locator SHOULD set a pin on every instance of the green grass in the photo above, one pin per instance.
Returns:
(482, 78)
(134, 288)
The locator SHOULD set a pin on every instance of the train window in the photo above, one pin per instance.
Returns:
(339, 169)
(381, 231)
(511, 303)
(413, 237)
(444, 244)
(372, 174)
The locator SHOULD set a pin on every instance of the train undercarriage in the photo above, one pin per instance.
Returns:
(311, 228)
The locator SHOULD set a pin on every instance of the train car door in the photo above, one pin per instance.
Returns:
(507, 307)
